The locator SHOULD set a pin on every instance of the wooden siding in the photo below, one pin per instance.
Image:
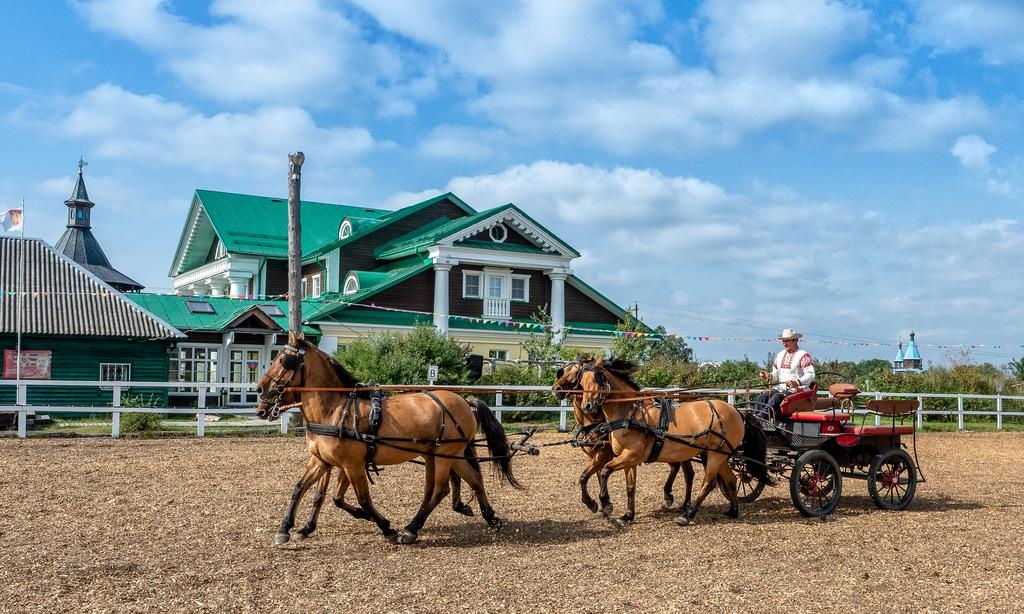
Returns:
(540, 294)
(415, 293)
(277, 278)
(358, 255)
(80, 358)
(581, 308)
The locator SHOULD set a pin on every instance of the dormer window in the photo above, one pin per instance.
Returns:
(351, 284)
(345, 230)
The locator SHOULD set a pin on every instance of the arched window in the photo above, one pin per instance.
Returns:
(351, 285)
(345, 230)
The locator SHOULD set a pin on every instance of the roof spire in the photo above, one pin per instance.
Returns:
(79, 194)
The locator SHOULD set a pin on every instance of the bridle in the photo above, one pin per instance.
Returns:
(601, 378)
(575, 384)
(292, 361)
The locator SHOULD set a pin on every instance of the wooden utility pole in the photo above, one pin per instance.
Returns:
(294, 244)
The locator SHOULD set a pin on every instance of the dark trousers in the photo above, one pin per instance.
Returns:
(768, 402)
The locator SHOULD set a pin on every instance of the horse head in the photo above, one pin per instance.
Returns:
(284, 371)
(568, 377)
(599, 378)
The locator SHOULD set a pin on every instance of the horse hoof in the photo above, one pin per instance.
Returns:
(734, 514)
(463, 509)
(591, 505)
(618, 523)
(682, 521)
(599, 515)
(299, 536)
(407, 537)
(626, 518)
(281, 539)
(495, 522)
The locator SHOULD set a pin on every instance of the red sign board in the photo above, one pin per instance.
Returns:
(35, 364)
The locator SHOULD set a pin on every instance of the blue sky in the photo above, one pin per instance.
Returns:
(851, 169)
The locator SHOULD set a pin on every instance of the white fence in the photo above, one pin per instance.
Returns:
(22, 409)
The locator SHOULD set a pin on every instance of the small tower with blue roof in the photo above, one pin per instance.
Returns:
(909, 359)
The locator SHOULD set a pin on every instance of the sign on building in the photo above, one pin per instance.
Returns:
(35, 364)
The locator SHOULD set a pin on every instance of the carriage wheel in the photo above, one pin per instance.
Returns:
(892, 479)
(748, 486)
(815, 484)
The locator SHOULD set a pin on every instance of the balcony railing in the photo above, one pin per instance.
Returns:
(497, 308)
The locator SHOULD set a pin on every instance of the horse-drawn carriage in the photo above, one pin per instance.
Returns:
(815, 442)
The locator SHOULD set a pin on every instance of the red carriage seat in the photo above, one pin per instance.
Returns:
(803, 401)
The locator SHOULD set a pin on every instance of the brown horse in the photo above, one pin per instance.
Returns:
(591, 439)
(437, 427)
(710, 427)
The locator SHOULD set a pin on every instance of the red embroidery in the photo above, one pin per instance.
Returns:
(786, 358)
(805, 361)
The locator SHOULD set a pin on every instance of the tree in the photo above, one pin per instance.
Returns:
(633, 343)
(545, 346)
(403, 358)
(672, 347)
(1015, 369)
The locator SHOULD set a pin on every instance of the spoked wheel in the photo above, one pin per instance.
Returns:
(892, 479)
(816, 483)
(748, 486)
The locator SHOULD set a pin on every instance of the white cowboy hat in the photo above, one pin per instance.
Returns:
(789, 333)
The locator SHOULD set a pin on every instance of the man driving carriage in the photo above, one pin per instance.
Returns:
(792, 371)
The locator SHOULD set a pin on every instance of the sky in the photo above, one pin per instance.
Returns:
(731, 168)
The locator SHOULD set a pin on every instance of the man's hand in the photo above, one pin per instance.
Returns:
(765, 376)
(793, 384)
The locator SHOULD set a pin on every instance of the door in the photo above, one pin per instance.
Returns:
(244, 367)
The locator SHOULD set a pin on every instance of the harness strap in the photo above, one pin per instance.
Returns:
(659, 435)
(445, 412)
(686, 440)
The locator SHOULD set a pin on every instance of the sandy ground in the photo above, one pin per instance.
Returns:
(97, 525)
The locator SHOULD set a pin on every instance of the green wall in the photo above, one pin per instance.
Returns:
(79, 358)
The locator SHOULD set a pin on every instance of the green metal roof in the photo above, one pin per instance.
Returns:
(173, 309)
(390, 218)
(427, 235)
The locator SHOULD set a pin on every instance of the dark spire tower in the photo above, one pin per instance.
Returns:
(79, 244)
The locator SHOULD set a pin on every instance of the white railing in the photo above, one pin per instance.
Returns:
(733, 396)
(497, 308)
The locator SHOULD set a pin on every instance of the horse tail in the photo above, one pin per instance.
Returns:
(497, 443)
(755, 448)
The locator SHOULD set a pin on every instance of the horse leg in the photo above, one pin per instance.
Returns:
(688, 477)
(626, 460)
(457, 503)
(357, 477)
(728, 478)
(597, 461)
(314, 470)
(435, 489)
(339, 499)
(630, 495)
(711, 474)
(669, 482)
(476, 481)
(318, 501)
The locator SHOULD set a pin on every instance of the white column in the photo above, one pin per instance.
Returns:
(239, 284)
(217, 286)
(558, 301)
(441, 296)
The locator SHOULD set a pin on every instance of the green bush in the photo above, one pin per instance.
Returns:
(403, 358)
(138, 422)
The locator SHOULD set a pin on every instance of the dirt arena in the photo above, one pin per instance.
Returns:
(97, 525)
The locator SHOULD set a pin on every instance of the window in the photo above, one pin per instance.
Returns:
(272, 310)
(302, 291)
(199, 307)
(316, 285)
(115, 372)
(498, 233)
(195, 364)
(497, 354)
(471, 285)
(351, 285)
(495, 286)
(520, 288)
(345, 230)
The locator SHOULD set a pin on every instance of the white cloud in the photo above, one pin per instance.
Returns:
(992, 26)
(973, 151)
(912, 125)
(128, 126)
(999, 188)
(462, 143)
(279, 51)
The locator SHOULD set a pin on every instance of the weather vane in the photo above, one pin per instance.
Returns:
(81, 164)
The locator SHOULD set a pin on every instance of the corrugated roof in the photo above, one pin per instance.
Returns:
(174, 309)
(63, 298)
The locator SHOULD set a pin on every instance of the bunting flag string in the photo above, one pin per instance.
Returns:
(532, 327)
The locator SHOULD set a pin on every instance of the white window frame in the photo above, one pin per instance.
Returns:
(105, 373)
(351, 285)
(302, 291)
(317, 285)
(501, 355)
(212, 364)
(345, 230)
(500, 235)
(526, 289)
(479, 284)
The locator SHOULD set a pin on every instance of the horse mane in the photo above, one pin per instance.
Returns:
(622, 368)
(347, 379)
